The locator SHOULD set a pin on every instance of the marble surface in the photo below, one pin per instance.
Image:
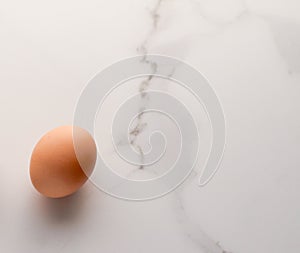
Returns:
(249, 51)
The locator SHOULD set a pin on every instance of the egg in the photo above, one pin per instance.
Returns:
(59, 168)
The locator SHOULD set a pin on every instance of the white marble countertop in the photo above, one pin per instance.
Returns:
(249, 50)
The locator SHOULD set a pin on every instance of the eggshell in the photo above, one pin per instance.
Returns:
(56, 170)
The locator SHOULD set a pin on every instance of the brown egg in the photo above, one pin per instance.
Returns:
(55, 169)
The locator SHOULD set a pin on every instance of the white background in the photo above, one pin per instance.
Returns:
(250, 52)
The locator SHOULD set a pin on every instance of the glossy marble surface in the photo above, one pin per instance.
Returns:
(249, 51)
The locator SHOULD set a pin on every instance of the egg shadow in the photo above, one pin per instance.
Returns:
(62, 210)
